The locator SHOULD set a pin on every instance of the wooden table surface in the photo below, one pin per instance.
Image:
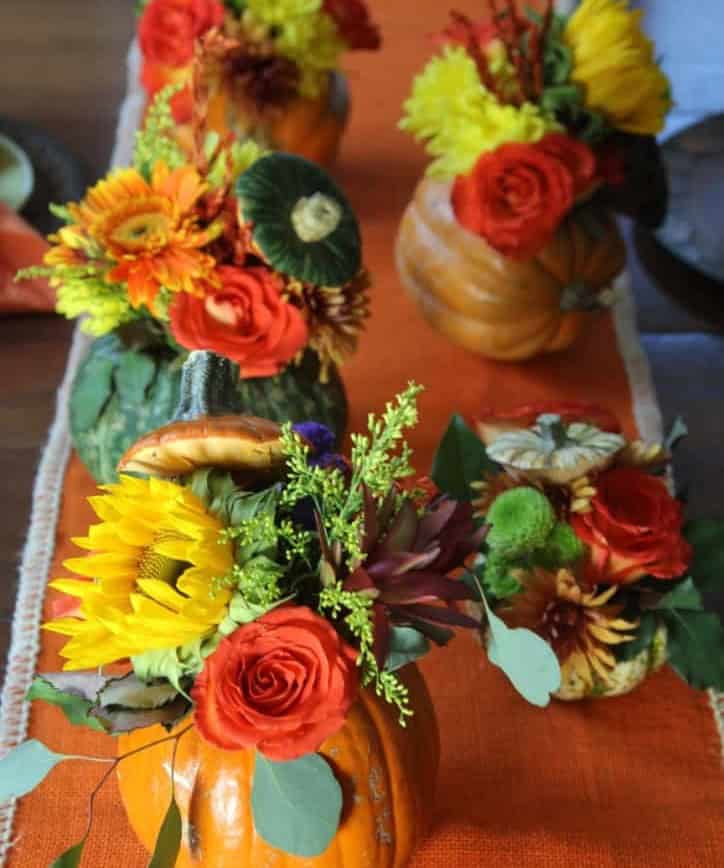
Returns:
(63, 69)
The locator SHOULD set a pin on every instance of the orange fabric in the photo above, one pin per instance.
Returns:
(20, 247)
(634, 781)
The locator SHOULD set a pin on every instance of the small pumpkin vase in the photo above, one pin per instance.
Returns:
(387, 774)
(311, 127)
(120, 394)
(498, 307)
(625, 676)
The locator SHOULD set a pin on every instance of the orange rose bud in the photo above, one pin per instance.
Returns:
(633, 529)
(245, 319)
(282, 684)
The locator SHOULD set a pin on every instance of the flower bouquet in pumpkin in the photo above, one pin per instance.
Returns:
(540, 126)
(271, 67)
(264, 599)
(254, 255)
(587, 547)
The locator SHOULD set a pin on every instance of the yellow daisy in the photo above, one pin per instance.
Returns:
(155, 567)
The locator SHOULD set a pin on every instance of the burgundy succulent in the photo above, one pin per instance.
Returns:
(409, 559)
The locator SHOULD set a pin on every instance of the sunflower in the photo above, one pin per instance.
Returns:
(614, 63)
(157, 568)
(335, 317)
(148, 231)
(578, 625)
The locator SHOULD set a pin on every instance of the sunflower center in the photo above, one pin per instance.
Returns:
(153, 565)
(315, 217)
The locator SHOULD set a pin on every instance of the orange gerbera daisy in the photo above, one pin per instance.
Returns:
(150, 230)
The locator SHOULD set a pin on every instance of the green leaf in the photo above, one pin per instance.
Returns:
(529, 661)
(696, 647)
(460, 460)
(71, 858)
(684, 597)
(296, 805)
(169, 839)
(75, 707)
(406, 646)
(678, 430)
(648, 622)
(25, 767)
(173, 664)
(707, 538)
(132, 692)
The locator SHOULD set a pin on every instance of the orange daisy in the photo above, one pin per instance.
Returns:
(150, 230)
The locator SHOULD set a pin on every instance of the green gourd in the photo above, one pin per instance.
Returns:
(301, 221)
(120, 394)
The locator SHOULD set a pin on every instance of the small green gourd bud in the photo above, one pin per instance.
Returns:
(521, 521)
(561, 548)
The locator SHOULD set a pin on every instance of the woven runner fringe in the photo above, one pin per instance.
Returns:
(48, 487)
(47, 495)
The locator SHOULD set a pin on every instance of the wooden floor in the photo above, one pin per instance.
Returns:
(63, 68)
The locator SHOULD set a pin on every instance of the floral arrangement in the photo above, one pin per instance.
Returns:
(268, 51)
(258, 613)
(588, 548)
(534, 115)
(173, 249)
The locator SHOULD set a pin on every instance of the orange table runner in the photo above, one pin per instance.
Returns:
(633, 781)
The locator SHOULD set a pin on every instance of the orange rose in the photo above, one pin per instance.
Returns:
(246, 320)
(282, 684)
(168, 28)
(516, 196)
(633, 529)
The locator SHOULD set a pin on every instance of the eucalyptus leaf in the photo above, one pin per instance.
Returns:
(91, 390)
(406, 646)
(74, 705)
(529, 661)
(460, 460)
(71, 858)
(296, 805)
(25, 767)
(168, 842)
(707, 538)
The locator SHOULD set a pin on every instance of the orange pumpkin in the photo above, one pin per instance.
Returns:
(309, 127)
(387, 774)
(496, 306)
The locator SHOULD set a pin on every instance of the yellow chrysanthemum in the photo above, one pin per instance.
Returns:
(614, 63)
(157, 558)
(148, 231)
(460, 119)
(305, 34)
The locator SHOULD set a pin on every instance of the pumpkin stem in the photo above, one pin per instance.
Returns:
(552, 431)
(315, 217)
(208, 387)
